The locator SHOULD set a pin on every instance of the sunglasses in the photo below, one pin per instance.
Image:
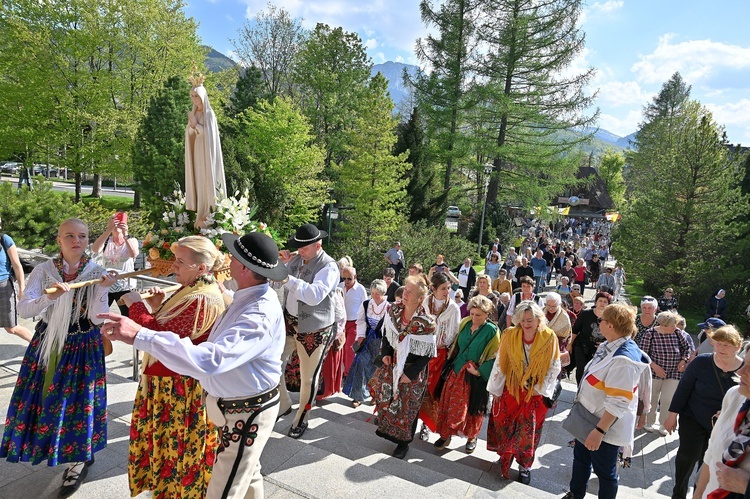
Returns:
(348, 278)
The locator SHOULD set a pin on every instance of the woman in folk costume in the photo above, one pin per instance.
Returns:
(332, 371)
(172, 444)
(399, 385)
(463, 401)
(524, 373)
(58, 411)
(447, 314)
(368, 342)
(204, 164)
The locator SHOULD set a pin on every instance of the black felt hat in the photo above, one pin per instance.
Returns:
(258, 252)
(307, 234)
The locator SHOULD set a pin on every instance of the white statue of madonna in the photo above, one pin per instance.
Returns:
(204, 165)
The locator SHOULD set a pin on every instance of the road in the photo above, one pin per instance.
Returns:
(85, 189)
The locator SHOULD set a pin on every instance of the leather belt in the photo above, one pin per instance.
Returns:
(246, 404)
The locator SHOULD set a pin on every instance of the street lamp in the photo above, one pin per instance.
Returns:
(487, 173)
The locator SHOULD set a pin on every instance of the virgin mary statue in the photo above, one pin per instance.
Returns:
(204, 165)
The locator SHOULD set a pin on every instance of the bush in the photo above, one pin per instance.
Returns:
(96, 215)
(31, 217)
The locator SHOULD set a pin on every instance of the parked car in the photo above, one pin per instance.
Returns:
(11, 167)
(453, 212)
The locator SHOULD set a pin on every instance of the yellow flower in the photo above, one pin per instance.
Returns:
(148, 239)
(153, 254)
(173, 248)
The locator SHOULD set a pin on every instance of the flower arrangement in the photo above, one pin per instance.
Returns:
(231, 214)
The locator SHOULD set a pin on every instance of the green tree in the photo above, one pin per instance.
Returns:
(286, 166)
(681, 230)
(371, 184)
(442, 94)
(331, 72)
(159, 146)
(611, 165)
(527, 102)
(424, 196)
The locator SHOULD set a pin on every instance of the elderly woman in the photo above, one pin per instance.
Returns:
(647, 318)
(610, 395)
(726, 472)
(463, 401)
(168, 406)
(447, 316)
(525, 372)
(669, 351)
(558, 321)
(58, 410)
(367, 342)
(400, 383)
(697, 399)
(484, 288)
(586, 335)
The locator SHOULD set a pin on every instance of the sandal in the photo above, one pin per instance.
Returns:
(73, 478)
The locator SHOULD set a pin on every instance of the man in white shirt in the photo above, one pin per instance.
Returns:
(239, 365)
(354, 296)
(309, 311)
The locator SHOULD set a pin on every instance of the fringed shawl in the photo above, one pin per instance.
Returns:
(560, 324)
(417, 338)
(210, 305)
(63, 314)
(512, 360)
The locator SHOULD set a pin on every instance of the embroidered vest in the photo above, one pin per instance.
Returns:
(313, 317)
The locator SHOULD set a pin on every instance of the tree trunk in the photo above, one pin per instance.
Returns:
(96, 189)
(137, 200)
(78, 187)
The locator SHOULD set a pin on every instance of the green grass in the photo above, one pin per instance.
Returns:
(114, 203)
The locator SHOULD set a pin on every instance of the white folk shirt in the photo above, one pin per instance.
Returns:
(353, 299)
(242, 356)
(311, 293)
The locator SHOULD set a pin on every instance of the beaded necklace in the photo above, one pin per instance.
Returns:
(431, 304)
(65, 276)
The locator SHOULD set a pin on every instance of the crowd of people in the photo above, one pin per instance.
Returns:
(449, 347)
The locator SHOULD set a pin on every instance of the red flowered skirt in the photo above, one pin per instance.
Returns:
(429, 411)
(397, 417)
(514, 429)
(453, 413)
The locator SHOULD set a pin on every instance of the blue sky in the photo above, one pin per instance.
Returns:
(635, 46)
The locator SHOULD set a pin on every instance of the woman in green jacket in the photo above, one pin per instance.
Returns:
(464, 396)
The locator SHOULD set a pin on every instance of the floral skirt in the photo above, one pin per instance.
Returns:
(362, 369)
(69, 423)
(514, 429)
(453, 412)
(397, 418)
(172, 444)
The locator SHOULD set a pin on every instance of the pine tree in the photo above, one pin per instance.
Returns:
(159, 146)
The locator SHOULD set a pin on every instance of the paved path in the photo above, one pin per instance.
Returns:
(85, 189)
(340, 456)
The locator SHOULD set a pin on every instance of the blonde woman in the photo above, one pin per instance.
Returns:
(525, 371)
(168, 406)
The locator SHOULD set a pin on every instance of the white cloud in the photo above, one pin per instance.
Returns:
(371, 43)
(622, 93)
(696, 60)
(399, 59)
(736, 117)
(606, 7)
(378, 57)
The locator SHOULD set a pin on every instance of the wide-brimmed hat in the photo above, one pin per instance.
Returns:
(258, 252)
(307, 234)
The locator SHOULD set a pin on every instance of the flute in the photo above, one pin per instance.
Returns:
(169, 289)
(83, 284)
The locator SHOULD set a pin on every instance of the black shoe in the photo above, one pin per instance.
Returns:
(72, 480)
(568, 495)
(285, 413)
(297, 431)
(442, 443)
(401, 451)
(524, 476)
(471, 446)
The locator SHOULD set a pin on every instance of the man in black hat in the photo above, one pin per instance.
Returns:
(238, 365)
(309, 314)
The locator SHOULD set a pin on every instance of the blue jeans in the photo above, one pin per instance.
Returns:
(538, 284)
(604, 462)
